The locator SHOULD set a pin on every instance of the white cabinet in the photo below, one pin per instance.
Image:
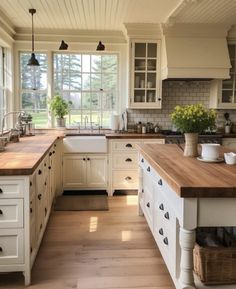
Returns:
(84, 171)
(123, 163)
(223, 92)
(145, 84)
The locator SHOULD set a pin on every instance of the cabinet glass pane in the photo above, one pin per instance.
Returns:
(231, 51)
(140, 64)
(152, 50)
(151, 80)
(139, 96)
(151, 96)
(228, 83)
(151, 65)
(139, 80)
(140, 50)
(227, 96)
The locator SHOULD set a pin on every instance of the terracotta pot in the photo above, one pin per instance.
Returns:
(191, 141)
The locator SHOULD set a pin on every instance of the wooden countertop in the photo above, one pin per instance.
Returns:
(23, 157)
(190, 177)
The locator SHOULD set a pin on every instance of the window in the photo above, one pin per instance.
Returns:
(33, 88)
(90, 81)
(3, 104)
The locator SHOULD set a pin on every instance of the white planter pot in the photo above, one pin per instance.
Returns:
(61, 122)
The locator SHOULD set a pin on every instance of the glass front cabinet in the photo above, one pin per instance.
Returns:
(145, 83)
(223, 92)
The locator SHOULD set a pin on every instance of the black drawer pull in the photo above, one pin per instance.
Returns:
(45, 183)
(148, 205)
(128, 160)
(31, 210)
(167, 216)
(128, 178)
(1, 191)
(50, 153)
(39, 196)
(148, 169)
(142, 160)
(31, 184)
(88, 159)
(31, 249)
(53, 152)
(39, 172)
(1, 213)
(161, 232)
(165, 241)
(142, 190)
(49, 167)
(1, 250)
(55, 145)
(129, 145)
(84, 159)
(161, 207)
(160, 182)
(45, 164)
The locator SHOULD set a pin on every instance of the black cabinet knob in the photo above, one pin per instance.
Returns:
(161, 232)
(142, 190)
(88, 159)
(50, 153)
(128, 178)
(39, 172)
(31, 210)
(55, 145)
(1, 213)
(165, 241)
(148, 205)
(167, 216)
(53, 152)
(84, 159)
(49, 167)
(39, 196)
(1, 191)
(45, 183)
(142, 160)
(1, 250)
(128, 160)
(148, 169)
(129, 145)
(159, 99)
(161, 207)
(45, 164)
(160, 182)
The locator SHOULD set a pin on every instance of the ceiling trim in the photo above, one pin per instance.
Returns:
(142, 30)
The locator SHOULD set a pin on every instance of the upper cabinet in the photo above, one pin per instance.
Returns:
(145, 83)
(223, 92)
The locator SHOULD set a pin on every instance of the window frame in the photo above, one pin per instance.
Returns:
(3, 83)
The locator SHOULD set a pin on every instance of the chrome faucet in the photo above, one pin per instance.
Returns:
(4, 117)
(85, 121)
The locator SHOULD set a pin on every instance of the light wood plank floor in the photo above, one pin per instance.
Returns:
(97, 250)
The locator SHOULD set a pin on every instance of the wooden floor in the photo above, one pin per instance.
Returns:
(97, 250)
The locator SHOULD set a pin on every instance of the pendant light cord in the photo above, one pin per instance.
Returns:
(32, 32)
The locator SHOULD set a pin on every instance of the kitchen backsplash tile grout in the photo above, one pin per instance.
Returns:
(177, 93)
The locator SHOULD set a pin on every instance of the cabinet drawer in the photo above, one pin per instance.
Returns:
(124, 145)
(11, 213)
(125, 161)
(11, 188)
(125, 179)
(11, 246)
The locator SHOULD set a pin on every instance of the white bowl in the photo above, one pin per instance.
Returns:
(230, 158)
(210, 151)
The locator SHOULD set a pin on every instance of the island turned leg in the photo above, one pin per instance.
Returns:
(187, 241)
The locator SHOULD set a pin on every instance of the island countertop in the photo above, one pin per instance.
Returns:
(189, 177)
(23, 157)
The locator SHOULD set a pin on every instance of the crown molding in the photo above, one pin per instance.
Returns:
(142, 30)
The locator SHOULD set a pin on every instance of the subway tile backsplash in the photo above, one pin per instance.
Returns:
(177, 93)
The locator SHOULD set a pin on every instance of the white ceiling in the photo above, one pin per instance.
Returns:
(87, 14)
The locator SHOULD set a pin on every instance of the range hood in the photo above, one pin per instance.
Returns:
(195, 52)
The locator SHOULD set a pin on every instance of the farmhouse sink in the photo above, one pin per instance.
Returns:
(85, 144)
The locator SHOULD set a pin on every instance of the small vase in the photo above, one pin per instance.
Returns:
(61, 122)
(191, 141)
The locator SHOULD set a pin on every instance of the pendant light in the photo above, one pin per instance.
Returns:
(33, 61)
(100, 46)
(63, 45)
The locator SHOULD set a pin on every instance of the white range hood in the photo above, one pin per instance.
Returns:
(195, 51)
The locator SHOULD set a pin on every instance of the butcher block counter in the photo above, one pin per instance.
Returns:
(179, 194)
(23, 157)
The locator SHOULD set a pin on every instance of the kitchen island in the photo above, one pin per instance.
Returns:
(179, 194)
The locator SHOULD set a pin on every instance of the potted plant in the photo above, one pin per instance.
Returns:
(59, 107)
(192, 120)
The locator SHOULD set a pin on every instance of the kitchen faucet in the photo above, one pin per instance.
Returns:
(5, 115)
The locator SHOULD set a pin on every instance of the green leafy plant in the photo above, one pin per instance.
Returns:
(59, 106)
(193, 118)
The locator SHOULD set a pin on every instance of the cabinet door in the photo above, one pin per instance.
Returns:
(145, 80)
(96, 171)
(74, 171)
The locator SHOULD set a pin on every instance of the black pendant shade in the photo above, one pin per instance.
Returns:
(63, 45)
(33, 61)
(100, 46)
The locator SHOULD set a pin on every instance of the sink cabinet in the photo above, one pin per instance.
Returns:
(82, 171)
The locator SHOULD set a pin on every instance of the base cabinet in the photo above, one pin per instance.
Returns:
(25, 204)
(84, 171)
